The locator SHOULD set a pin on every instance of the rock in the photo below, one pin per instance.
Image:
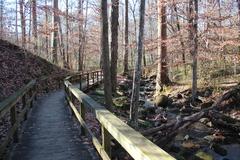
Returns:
(186, 137)
(204, 120)
(204, 155)
(218, 149)
(190, 145)
(209, 124)
(122, 102)
(161, 101)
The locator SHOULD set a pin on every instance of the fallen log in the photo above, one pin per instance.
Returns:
(182, 123)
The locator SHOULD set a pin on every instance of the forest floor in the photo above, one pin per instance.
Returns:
(18, 67)
(209, 129)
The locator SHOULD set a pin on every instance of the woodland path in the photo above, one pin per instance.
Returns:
(50, 134)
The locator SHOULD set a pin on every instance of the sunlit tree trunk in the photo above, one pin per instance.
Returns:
(162, 72)
(67, 35)
(16, 22)
(193, 43)
(180, 37)
(23, 23)
(105, 55)
(46, 30)
(54, 40)
(125, 61)
(114, 43)
(137, 71)
(80, 36)
(34, 24)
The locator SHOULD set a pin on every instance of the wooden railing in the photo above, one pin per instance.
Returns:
(139, 147)
(25, 96)
(9, 105)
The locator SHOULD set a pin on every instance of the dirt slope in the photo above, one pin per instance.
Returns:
(17, 67)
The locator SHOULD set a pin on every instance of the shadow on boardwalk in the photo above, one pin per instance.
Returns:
(50, 134)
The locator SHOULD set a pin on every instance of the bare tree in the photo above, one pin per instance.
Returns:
(105, 55)
(80, 36)
(23, 23)
(193, 43)
(137, 71)
(46, 29)
(1, 18)
(125, 61)
(67, 36)
(54, 40)
(162, 72)
(34, 24)
(180, 36)
(114, 43)
(16, 21)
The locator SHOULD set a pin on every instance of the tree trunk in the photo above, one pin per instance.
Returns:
(193, 42)
(114, 43)
(46, 29)
(34, 24)
(80, 38)
(67, 34)
(125, 61)
(29, 42)
(16, 22)
(23, 23)
(1, 18)
(180, 37)
(105, 56)
(137, 71)
(54, 42)
(162, 73)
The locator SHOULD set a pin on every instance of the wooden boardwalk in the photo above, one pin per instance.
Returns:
(50, 133)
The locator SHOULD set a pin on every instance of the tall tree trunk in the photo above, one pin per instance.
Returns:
(1, 18)
(125, 61)
(114, 43)
(180, 37)
(162, 72)
(80, 38)
(54, 41)
(137, 71)
(193, 42)
(30, 26)
(46, 29)
(144, 58)
(105, 55)
(16, 22)
(23, 23)
(34, 24)
(67, 35)
(61, 42)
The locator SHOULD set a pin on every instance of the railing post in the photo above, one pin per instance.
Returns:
(97, 77)
(80, 83)
(82, 113)
(87, 80)
(93, 77)
(13, 121)
(31, 94)
(106, 140)
(24, 105)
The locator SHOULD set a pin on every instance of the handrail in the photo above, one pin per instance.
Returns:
(9, 105)
(139, 147)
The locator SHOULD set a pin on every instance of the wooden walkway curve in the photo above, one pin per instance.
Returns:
(50, 134)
